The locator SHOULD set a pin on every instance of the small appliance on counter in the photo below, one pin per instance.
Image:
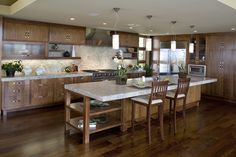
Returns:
(40, 70)
(197, 70)
(27, 70)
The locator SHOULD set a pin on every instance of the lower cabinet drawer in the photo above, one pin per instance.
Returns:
(14, 102)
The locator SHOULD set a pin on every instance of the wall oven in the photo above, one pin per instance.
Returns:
(197, 70)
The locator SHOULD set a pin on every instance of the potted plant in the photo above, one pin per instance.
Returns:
(121, 78)
(12, 67)
(182, 71)
(149, 70)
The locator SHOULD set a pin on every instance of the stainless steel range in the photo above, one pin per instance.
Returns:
(103, 74)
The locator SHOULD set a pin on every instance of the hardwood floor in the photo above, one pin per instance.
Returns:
(211, 132)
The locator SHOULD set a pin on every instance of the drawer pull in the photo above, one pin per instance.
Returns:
(40, 96)
(40, 85)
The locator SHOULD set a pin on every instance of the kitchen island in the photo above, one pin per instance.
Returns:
(109, 91)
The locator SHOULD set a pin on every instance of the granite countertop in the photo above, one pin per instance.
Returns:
(109, 90)
(45, 76)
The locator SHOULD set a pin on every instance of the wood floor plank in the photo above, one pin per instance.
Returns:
(210, 132)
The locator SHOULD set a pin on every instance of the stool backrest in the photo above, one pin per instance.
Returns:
(159, 90)
(183, 86)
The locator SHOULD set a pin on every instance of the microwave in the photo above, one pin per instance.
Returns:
(197, 70)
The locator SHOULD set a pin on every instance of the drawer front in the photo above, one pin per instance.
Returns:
(16, 101)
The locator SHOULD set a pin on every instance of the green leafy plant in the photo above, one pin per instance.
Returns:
(121, 71)
(182, 68)
(13, 66)
(121, 78)
(149, 70)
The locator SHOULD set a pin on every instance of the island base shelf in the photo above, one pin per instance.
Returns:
(94, 111)
(113, 122)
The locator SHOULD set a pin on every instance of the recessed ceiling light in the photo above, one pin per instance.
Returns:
(195, 31)
(232, 29)
(104, 23)
(130, 27)
(93, 14)
(72, 18)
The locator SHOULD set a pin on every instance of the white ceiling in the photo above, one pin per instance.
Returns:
(206, 15)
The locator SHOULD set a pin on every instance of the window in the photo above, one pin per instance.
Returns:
(141, 51)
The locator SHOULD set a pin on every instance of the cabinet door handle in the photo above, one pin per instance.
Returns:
(40, 96)
(40, 85)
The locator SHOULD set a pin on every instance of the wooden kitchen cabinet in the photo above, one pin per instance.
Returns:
(42, 91)
(67, 34)
(15, 95)
(199, 54)
(19, 30)
(59, 94)
(128, 39)
(221, 55)
(81, 79)
(135, 74)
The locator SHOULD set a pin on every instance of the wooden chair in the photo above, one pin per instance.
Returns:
(157, 97)
(180, 93)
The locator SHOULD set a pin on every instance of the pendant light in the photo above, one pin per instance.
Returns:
(149, 39)
(115, 36)
(173, 41)
(191, 43)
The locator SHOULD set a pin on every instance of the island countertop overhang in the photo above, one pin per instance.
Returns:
(109, 90)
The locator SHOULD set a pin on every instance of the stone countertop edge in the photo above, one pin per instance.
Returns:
(128, 94)
(46, 76)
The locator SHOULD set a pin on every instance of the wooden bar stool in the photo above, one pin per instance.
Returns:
(157, 97)
(180, 93)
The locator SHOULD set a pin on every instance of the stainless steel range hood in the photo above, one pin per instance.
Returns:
(98, 37)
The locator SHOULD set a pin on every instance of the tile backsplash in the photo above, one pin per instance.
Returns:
(91, 58)
(51, 66)
(98, 57)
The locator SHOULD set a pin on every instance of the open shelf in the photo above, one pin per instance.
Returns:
(112, 122)
(94, 111)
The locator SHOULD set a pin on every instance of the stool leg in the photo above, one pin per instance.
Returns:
(170, 115)
(174, 116)
(160, 115)
(184, 113)
(133, 115)
(149, 123)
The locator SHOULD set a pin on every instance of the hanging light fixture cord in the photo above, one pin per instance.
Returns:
(192, 27)
(172, 31)
(117, 17)
(149, 22)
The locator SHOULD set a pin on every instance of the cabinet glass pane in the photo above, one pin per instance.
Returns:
(23, 51)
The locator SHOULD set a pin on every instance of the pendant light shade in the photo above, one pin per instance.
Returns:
(173, 41)
(191, 47)
(191, 43)
(173, 45)
(115, 41)
(148, 44)
(115, 37)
